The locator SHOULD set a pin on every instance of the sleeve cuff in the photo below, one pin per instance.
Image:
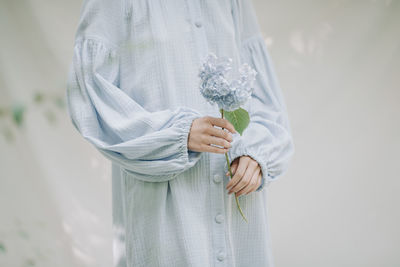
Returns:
(189, 157)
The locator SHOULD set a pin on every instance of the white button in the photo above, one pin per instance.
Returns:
(221, 255)
(219, 218)
(217, 178)
(198, 24)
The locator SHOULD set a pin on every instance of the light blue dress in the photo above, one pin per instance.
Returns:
(133, 92)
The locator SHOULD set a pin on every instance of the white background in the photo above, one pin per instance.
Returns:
(338, 63)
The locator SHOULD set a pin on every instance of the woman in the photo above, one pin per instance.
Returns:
(133, 92)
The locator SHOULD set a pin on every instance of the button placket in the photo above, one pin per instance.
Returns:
(217, 209)
(216, 190)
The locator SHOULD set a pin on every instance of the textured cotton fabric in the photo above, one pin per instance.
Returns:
(133, 92)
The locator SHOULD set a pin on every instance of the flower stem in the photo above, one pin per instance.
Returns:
(230, 172)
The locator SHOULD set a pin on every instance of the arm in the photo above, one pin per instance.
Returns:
(152, 145)
(267, 139)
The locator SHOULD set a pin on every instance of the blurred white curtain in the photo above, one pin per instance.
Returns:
(338, 63)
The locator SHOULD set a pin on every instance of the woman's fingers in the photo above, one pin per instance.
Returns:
(219, 133)
(208, 140)
(223, 123)
(204, 137)
(247, 175)
(252, 185)
(242, 165)
(233, 167)
(213, 149)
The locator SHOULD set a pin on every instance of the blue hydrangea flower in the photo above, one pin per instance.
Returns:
(217, 89)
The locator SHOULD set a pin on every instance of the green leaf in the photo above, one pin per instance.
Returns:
(18, 113)
(239, 118)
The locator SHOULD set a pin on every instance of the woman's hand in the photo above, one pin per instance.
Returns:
(247, 176)
(203, 133)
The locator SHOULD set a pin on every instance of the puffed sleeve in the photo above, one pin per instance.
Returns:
(151, 145)
(267, 139)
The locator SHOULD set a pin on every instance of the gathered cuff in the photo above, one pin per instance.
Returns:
(184, 125)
